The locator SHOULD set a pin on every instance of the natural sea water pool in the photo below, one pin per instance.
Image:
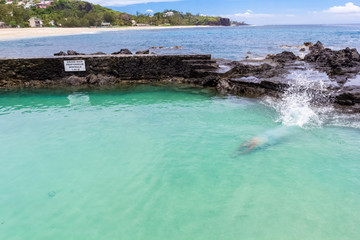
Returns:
(154, 162)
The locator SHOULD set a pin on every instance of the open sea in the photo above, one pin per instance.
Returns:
(166, 161)
(222, 42)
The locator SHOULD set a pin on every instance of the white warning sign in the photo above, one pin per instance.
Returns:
(75, 66)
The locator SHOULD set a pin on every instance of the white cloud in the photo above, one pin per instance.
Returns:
(349, 8)
(250, 14)
(348, 13)
(127, 2)
(149, 11)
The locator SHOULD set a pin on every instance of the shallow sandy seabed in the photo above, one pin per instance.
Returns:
(17, 33)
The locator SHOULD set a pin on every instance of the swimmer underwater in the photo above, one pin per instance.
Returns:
(266, 139)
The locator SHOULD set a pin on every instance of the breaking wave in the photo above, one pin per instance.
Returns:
(306, 103)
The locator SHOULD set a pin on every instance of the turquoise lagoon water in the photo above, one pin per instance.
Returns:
(155, 162)
(161, 162)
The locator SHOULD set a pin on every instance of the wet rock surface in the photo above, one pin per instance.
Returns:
(340, 66)
(334, 62)
(270, 77)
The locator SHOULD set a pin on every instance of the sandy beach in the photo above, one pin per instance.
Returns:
(18, 33)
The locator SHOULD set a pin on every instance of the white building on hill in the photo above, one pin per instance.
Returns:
(35, 22)
(168, 14)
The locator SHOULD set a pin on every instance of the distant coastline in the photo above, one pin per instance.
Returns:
(7, 34)
(73, 13)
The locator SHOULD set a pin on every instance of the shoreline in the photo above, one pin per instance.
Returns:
(9, 34)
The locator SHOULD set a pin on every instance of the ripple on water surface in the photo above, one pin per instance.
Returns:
(155, 163)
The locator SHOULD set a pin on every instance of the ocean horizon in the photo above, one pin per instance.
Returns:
(232, 43)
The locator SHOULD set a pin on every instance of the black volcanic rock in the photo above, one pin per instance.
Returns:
(345, 99)
(143, 52)
(73, 53)
(345, 60)
(334, 62)
(225, 22)
(308, 44)
(284, 57)
(123, 51)
(317, 47)
(61, 53)
(98, 53)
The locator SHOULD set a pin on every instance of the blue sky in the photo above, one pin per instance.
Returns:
(252, 11)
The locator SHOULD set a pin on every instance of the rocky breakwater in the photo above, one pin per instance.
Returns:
(74, 68)
(338, 72)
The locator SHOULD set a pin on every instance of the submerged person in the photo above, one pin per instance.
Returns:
(268, 138)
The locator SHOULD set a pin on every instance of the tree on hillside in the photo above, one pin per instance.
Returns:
(71, 13)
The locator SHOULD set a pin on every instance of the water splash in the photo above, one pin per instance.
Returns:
(299, 105)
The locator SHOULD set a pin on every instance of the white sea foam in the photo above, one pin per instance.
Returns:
(304, 103)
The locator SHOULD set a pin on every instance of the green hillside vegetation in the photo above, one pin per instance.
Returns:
(177, 18)
(64, 13)
(67, 13)
(11, 14)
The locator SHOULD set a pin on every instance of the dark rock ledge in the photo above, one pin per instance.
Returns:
(251, 78)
